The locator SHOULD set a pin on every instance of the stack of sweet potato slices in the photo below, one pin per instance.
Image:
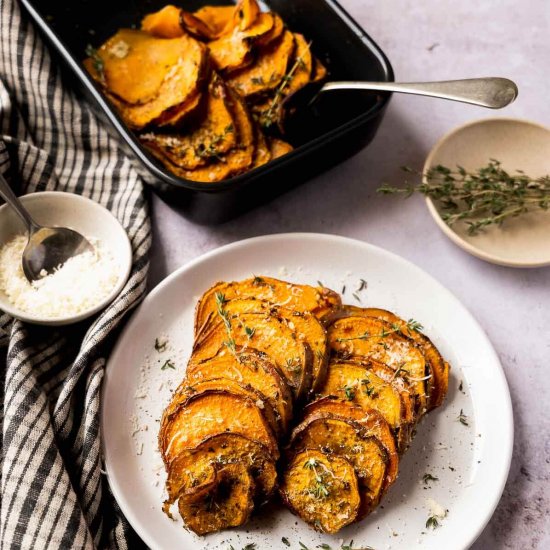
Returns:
(204, 89)
(232, 436)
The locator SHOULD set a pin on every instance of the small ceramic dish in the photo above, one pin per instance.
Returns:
(518, 144)
(81, 214)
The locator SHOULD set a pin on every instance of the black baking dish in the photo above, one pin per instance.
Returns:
(346, 121)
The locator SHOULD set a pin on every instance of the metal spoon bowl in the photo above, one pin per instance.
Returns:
(47, 247)
(491, 92)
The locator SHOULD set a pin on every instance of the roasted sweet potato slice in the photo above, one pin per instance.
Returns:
(322, 489)
(319, 71)
(229, 54)
(178, 115)
(439, 367)
(234, 51)
(228, 503)
(196, 26)
(195, 469)
(269, 110)
(275, 32)
(165, 23)
(262, 154)
(254, 369)
(236, 160)
(359, 338)
(301, 65)
(320, 301)
(188, 388)
(347, 438)
(246, 13)
(145, 76)
(206, 414)
(269, 69)
(218, 18)
(279, 148)
(212, 137)
(306, 327)
(363, 387)
(371, 420)
(311, 331)
(262, 331)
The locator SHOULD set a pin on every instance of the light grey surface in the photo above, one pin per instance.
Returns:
(433, 40)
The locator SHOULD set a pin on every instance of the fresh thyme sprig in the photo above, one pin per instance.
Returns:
(211, 151)
(411, 326)
(268, 118)
(320, 489)
(223, 313)
(480, 198)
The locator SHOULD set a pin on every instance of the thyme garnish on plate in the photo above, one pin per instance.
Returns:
(411, 326)
(432, 522)
(320, 489)
(168, 364)
(223, 313)
(462, 418)
(480, 198)
(429, 477)
(349, 392)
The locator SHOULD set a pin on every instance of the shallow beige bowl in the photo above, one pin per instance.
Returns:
(517, 144)
(85, 216)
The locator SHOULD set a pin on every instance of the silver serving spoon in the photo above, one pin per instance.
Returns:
(47, 247)
(491, 92)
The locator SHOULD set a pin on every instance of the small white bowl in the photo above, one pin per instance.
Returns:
(518, 144)
(81, 214)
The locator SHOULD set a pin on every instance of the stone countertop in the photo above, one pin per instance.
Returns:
(433, 40)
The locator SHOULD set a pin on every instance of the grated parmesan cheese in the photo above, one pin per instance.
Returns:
(76, 286)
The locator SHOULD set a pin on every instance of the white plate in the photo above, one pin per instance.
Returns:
(471, 462)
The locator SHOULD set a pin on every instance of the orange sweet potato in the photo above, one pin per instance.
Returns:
(254, 369)
(217, 18)
(371, 420)
(227, 503)
(320, 301)
(364, 388)
(321, 489)
(346, 438)
(279, 148)
(165, 23)
(195, 469)
(237, 160)
(145, 76)
(269, 69)
(306, 326)
(234, 51)
(213, 136)
(205, 414)
(367, 338)
(262, 331)
(439, 384)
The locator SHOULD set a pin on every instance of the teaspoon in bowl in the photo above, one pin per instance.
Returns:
(47, 247)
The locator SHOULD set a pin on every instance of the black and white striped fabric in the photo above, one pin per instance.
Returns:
(54, 494)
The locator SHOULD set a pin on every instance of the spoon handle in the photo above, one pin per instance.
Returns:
(9, 196)
(492, 92)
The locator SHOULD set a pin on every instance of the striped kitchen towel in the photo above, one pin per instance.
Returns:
(54, 492)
